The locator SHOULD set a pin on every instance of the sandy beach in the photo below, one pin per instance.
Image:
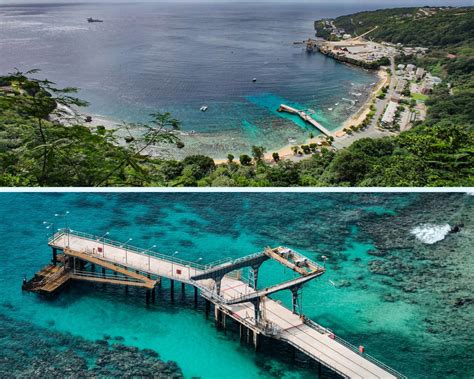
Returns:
(361, 114)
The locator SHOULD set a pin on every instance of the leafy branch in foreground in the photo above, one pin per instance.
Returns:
(159, 130)
(41, 144)
(38, 99)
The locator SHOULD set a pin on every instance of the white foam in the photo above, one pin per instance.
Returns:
(430, 233)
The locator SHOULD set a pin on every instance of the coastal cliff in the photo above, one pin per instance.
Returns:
(374, 65)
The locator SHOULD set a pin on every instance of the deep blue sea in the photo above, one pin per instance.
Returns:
(175, 57)
(389, 286)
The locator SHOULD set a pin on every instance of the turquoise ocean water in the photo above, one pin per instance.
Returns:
(411, 308)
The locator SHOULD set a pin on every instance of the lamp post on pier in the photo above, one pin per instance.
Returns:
(125, 245)
(67, 226)
(149, 256)
(172, 256)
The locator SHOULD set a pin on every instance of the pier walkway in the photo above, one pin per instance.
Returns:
(76, 254)
(305, 117)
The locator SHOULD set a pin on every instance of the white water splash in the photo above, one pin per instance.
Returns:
(430, 233)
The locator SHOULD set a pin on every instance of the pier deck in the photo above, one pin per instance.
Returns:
(305, 117)
(233, 297)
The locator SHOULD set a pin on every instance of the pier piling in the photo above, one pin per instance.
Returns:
(208, 308)
(55, 256)
(217, 316)
(172, 289)
(256, 341)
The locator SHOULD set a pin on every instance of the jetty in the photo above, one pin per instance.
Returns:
(305, 117)
(78, 256)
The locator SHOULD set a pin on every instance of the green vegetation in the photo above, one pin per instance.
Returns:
(419, 96)
(409, 26)
(35, 150)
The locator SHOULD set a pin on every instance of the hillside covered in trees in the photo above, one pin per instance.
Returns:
(425, 26)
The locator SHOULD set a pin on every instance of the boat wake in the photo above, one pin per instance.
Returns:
(431, 233)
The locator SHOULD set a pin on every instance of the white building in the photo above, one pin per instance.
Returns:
(389, 115)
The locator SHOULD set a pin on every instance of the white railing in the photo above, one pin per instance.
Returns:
(90, 274)
(350, 346)
(133, 249)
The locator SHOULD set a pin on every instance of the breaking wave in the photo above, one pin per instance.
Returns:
(430, 233)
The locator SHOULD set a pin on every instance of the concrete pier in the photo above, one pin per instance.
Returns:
(256, 313)
(305, 117)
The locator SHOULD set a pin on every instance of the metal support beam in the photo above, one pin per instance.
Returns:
(172, 289)
(298, 282)
(218, 285)
(294, 296)
(255, 275)
(183, 288)
(195, 297)
(256, 306)
(224, 269)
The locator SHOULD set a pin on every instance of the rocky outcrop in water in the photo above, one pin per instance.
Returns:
(28, 351)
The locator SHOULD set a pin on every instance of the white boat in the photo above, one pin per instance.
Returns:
(330, 109)
(203, 108)
(254, 80)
